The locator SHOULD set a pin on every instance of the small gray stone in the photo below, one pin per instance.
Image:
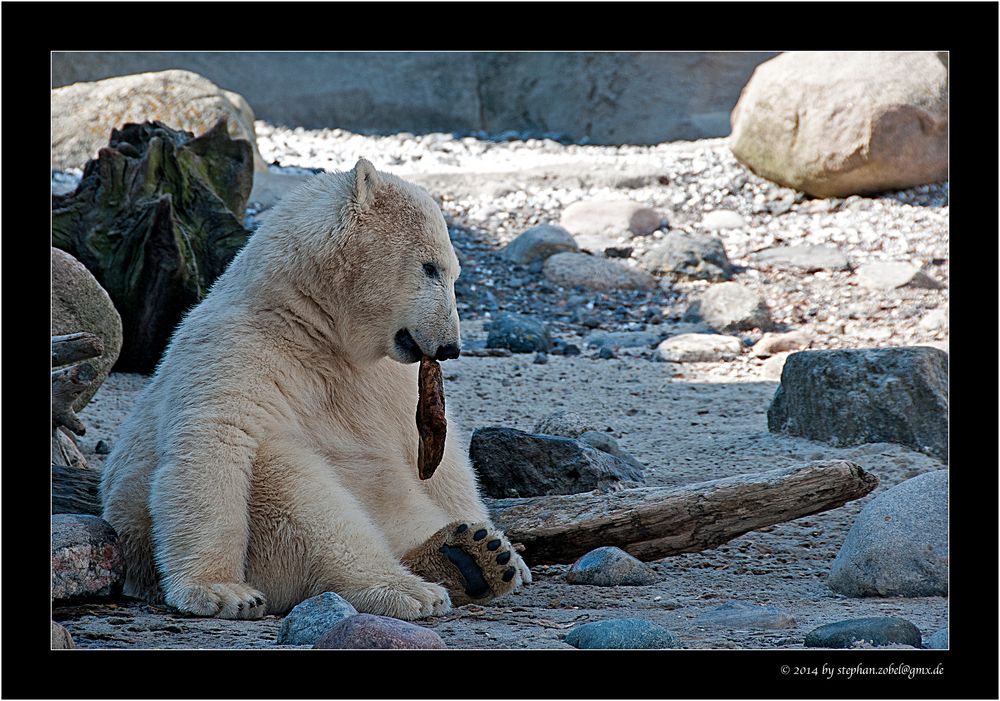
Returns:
(689, 257)
(743, 614)
(595, 273)
(87, 559)
(935, 320)
(518, 333)
(367, 632)
(310, 620)
(610, 567)
(538, 243)
(61, 639)
(722, 219)
(938, 641)
(564, 423)
(894, 274)
(699, 348)
(512, 463)
(898, 546)
(622, 339)
(729, 307)
(878, 631)
(806, 257)
(540, 359)
(873, 395)
(606, 353)
(622, 634)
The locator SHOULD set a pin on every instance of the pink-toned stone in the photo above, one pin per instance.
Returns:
(86, 557)
(367, 632)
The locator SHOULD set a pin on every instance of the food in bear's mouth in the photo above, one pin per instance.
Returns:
(431, 422)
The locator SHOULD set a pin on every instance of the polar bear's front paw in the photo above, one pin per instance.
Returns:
(221, 600)
(407, 597)
(475, 561)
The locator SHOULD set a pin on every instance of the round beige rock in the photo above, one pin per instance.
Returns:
(595, 273)
(79, 303)
(839, 123)
(699, 348)
(610, 218)
(83, 114)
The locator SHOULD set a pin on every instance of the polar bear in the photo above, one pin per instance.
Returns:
(273, 455)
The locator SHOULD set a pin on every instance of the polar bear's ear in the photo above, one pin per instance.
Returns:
(365, 181)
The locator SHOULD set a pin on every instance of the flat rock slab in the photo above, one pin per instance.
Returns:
(610, 567)
(512, 463)
(891, 275)
(742, 614)
(878, 631)
(622, 339)
(898, 546)
(622, 634)
(87, 560)
(699, 348)
(850, 397)
(595, 273)
(313, 618)
(367, 632)
(806, 257)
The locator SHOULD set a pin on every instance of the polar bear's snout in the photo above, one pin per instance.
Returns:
(413, 351)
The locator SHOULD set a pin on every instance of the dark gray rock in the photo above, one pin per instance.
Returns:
(938, 641)
(622, 634)
(540, 359)
(689, 257)
(512, 463)
(520, 334)
(610, 567)
(367, 632)
(605, 353)
(310, 620)
(898, 546)
(884, 630)
(607, 444)
(805, 257)
(87, 560)
(850, 397)
(729, 307)
(538, 243)
(742, 614)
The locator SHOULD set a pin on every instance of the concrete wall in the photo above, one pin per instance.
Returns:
(610, 98)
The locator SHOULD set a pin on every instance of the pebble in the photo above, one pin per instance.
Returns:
(610, 567)
(722, 219)
(874, 631)
(898, 545)
(729, 307)
(367, 632)
(310, 620)
(891, 275)
(743, 614)
(622, 634)
(540, 359)
(102, 448)
(699, 348)
(606, 353)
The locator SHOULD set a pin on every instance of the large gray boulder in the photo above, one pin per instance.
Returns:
(839, 123)
(79, 303)
(83, 114)
(512, 463)
(898, 546)
(873, 395)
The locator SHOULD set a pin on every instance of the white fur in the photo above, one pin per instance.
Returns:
(274, 452)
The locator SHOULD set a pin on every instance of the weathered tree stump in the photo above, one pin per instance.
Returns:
(156, 219)
(653, 522)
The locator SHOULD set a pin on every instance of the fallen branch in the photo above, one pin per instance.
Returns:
(653, 522)
(75, 347)
(67, 384)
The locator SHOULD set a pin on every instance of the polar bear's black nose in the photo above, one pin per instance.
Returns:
(448, 352)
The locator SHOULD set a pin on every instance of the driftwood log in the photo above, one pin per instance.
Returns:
(75, 490)
(653, 522)
(74, 347)
(69, 382)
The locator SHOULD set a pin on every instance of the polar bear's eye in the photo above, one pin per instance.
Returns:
(431, 270)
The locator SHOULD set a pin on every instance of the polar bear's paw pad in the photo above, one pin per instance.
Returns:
(474, 561)
(221, 600)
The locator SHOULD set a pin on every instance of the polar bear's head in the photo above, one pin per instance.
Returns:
(385, 265)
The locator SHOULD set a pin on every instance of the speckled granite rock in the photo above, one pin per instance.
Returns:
(86, 558)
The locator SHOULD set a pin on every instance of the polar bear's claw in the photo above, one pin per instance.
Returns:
(406, 598)
(220, 600)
